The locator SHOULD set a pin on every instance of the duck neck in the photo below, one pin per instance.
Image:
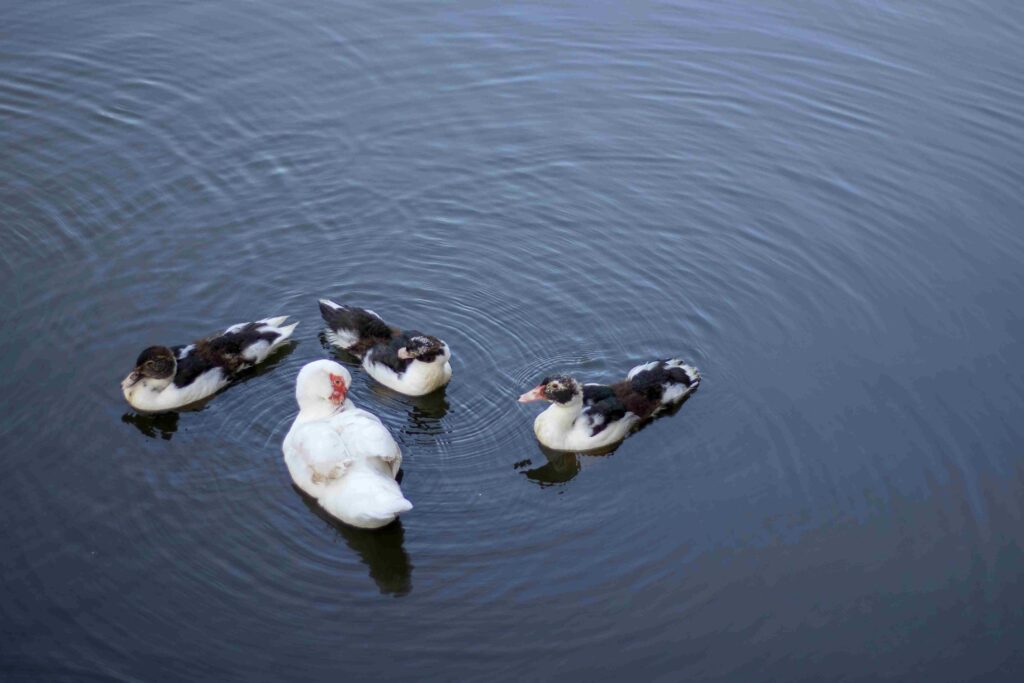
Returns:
(320, 410)
(559, 417)
(430, 374)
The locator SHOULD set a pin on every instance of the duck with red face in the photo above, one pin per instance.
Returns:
(586, 417)
(340, 454)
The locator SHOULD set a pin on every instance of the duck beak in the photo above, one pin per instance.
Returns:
(535, 394)
(131, 380)
(404, 354)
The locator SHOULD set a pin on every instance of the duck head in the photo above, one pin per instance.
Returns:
(561, 390)
(424, 348)
(154, 368)
(322, 386)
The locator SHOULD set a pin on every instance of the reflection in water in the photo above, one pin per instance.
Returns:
(382, 550)
(560, 467)
(153, 425)
(426, 413)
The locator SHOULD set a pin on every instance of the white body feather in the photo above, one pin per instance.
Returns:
(563, 427)
(418, 379)
(347, 460)
(157, 395)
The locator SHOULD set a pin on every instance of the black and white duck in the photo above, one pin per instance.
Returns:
(585, 417)
(169, 377)
(407, 361)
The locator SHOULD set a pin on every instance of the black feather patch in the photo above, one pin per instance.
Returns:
(643, 393)
(369, 329)
(220, 351)
(603, 406)
(386, 353)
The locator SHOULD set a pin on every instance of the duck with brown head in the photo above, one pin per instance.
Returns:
(166, 378)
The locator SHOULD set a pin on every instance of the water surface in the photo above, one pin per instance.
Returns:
(819, 204)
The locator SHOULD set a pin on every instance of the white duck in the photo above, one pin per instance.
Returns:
(585, 417)
(340, 454)
(166, 378)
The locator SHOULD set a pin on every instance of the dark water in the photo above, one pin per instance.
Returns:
(818, 203)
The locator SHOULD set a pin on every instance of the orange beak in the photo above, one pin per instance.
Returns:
(535, 394)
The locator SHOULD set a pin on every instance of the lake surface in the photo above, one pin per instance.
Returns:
(820, 204)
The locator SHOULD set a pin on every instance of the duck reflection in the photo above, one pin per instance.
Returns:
(561, 466)
(425, 414)
(382, 550)
(154, 425)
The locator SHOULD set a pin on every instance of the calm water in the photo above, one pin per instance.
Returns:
(820, 204)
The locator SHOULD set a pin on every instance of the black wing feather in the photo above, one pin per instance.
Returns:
(369, 328)
(600, 399)
(220, 351)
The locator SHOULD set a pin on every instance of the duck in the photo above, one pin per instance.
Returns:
(169, 377)
(409, 362)
(586, 417)
(341, 455)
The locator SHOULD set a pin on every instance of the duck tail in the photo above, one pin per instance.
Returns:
(246, 344)
(277, 326)
(387, 509)
(671, 379)
(352, 328)
(365, 499)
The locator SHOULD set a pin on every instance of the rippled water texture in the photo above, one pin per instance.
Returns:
(818, 203)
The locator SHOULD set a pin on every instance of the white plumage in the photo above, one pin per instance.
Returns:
(340, 454)
(418, 378)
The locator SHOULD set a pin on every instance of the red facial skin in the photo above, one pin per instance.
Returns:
(340, 390)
